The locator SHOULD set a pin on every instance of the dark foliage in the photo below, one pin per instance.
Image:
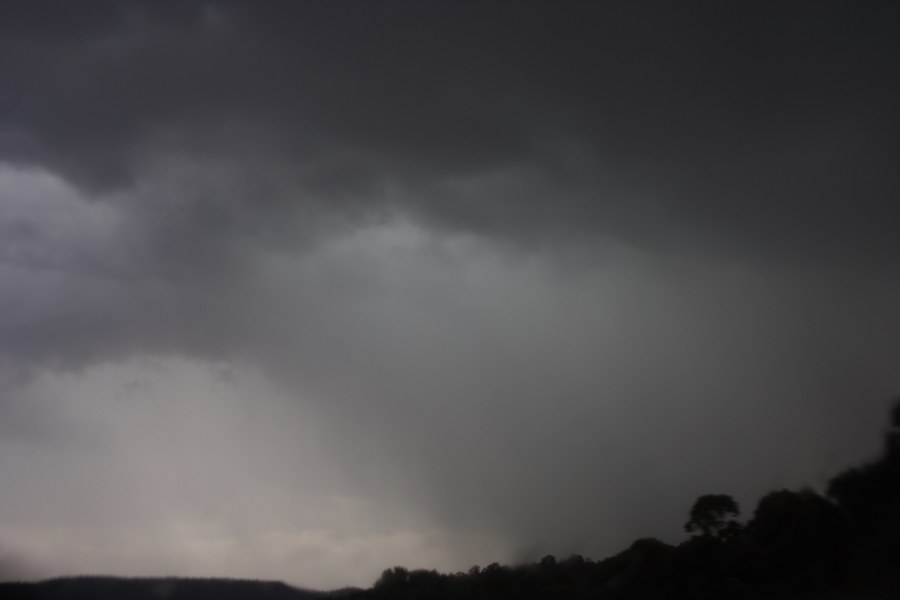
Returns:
(798, 544)
(709, 516)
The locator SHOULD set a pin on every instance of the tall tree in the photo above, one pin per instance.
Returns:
(710, 516)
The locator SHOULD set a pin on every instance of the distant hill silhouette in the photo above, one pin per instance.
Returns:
(168, 588)
(797, 545)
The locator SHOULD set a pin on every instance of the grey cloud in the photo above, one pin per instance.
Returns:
(616, 398)
(14, 569)
(731, 129)
(455, 377)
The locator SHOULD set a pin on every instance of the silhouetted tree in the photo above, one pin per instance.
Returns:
(393, 582)
(803, 536)
(869, 497)
(710, 513)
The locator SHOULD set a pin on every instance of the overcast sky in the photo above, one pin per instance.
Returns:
(305, 290)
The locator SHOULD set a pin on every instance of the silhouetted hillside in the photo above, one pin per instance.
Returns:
(114, 588)
(797, 545)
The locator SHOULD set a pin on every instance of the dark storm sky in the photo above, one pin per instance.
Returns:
(303, 290)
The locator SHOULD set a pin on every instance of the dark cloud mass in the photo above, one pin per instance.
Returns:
(745, 123)
(528, 277)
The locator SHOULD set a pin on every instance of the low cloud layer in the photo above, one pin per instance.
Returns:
(303, 291)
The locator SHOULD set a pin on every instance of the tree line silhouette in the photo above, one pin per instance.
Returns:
(796, 545)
